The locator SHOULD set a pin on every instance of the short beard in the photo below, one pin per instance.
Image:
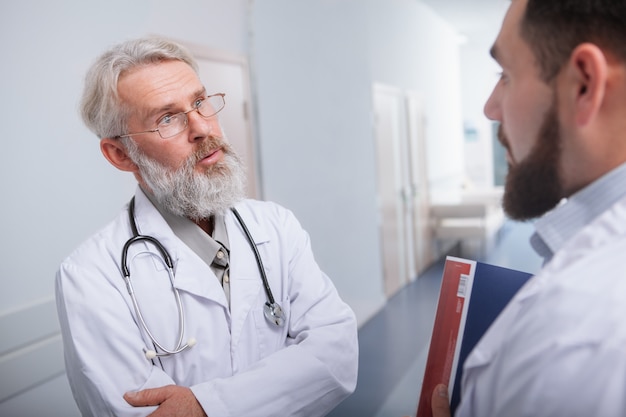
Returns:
(533, 187)
(187, 193)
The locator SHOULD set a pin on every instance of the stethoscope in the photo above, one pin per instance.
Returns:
(272, 310)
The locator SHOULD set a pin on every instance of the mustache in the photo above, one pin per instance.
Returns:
(502, 137)
(208, 146)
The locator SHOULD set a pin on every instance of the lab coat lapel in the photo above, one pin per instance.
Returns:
(191, 274)
(246, 285)
(194, 276)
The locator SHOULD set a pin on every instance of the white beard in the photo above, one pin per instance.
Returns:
(187, 193)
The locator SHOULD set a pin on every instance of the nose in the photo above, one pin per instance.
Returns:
(201, 127)
(492, 105)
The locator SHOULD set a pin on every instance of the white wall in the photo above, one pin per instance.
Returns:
(315, 63)
(313, 82)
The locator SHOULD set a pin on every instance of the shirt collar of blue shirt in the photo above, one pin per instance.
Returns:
(559, 225)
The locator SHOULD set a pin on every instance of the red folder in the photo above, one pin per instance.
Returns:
(471, 297)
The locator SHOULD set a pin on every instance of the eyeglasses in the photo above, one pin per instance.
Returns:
(173, 124)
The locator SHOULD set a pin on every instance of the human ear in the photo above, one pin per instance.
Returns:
(588, 75)
(115, 152)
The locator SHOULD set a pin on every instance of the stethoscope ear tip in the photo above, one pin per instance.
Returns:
(151, 354)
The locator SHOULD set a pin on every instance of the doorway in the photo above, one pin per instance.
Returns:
(402, 187)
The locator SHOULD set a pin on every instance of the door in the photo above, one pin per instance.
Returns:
(389, 130)
(419, 200)
(229, 74)
(401, 185)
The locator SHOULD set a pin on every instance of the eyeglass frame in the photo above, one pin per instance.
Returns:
(186, 120)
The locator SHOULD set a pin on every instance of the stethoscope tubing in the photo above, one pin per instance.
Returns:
(266, 285)
(131, 291)
(181, 317)
(272, 310)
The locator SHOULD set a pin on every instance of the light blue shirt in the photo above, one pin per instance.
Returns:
(558, 226)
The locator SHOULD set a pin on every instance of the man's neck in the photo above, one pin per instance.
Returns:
(208, 225)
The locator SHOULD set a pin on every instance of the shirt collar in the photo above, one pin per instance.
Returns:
(203, 245)
(556, 227)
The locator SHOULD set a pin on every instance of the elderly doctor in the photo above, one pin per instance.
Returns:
(214, 340)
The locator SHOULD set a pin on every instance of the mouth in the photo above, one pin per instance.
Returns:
(508, 155)
(211, 157)
(504, 141)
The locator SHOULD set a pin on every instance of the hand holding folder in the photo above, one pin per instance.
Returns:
(471, 297)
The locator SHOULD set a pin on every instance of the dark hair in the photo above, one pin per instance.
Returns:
(554, 28)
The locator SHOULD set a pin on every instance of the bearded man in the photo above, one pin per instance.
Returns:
(559, 347)
(194, 301)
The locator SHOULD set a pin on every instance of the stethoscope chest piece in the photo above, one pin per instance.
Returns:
(274, 313)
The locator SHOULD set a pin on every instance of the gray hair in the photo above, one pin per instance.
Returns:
(100, 107)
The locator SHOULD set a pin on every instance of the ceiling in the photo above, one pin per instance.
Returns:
(478, 21)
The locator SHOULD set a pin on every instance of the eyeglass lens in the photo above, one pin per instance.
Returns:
(172, 125)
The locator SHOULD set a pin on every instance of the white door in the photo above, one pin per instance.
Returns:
(401, 185)
(389, 131)
(222, 73)
(419, 200)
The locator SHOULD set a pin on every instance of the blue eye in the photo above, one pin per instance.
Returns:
(166, 120)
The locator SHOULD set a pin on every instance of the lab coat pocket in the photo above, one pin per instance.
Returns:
(270, 336)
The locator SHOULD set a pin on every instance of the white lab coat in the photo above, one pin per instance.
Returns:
(241, 365)
(559, 347)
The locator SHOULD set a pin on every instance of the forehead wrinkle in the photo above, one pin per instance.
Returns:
(169, 107)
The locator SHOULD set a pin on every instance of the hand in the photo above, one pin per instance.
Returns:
(439, 401)
(172, 401)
